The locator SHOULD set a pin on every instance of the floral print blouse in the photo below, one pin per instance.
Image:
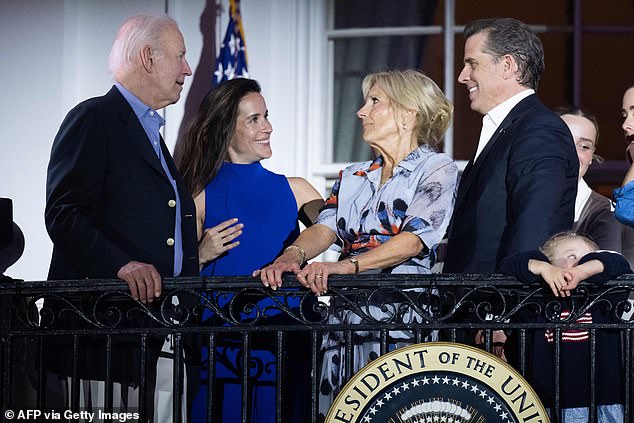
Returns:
(418, 198)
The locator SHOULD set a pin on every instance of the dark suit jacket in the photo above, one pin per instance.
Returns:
(108, 203)
(519, 192)
(107, 196)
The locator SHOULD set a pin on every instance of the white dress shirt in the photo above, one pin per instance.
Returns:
(583, 193)
(492, 120)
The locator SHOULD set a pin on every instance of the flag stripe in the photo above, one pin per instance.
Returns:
(232, 60)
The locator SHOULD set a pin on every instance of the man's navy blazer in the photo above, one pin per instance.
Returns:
(108, 202)
(108, 199)
(519, 192)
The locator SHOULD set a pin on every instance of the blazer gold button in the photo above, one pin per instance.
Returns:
(171, 203)
(170, 241)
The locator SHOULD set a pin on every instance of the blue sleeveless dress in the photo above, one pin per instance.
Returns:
(264, 203)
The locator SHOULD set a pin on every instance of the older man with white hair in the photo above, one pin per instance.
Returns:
(115, 204)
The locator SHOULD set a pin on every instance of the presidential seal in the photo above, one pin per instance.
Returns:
(437, 382)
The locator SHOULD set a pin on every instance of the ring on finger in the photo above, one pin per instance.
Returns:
(319, 276)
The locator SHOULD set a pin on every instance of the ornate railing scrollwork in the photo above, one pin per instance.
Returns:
(377, 300)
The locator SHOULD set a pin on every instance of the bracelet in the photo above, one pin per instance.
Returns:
(355, 262)
(302, 253)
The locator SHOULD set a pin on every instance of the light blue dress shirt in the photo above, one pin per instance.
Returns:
(151, 122)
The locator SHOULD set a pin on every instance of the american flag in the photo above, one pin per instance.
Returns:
(232, 60)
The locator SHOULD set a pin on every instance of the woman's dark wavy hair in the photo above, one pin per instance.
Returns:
(203, 147)
(510, 36)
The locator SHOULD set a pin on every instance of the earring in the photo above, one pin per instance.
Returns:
(404, 127)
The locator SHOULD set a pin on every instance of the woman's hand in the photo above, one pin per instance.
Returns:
(629, 151)
(217, 240)
(315, 275)
(311, 242)
(271, 275)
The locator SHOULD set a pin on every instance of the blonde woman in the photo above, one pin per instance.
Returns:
(388, 214)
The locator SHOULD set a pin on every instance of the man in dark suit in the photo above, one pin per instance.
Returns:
(520, 187)
(115, 205)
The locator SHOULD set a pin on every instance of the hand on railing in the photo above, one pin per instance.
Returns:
(143, 279)
(315, 275)
(289, 261)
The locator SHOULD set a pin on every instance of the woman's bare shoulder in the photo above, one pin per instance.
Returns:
(303, 191)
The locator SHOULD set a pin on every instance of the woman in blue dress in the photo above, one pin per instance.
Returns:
(246, 216)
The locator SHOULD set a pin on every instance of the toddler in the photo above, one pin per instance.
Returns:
(563, 262)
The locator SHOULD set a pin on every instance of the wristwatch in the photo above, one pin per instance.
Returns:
(355, 262)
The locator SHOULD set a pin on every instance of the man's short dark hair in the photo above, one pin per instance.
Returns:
(510, 36)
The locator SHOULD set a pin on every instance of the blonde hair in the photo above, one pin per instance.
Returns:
(413, 90)
(548, 248)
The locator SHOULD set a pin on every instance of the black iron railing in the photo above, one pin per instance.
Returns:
(43, 324)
